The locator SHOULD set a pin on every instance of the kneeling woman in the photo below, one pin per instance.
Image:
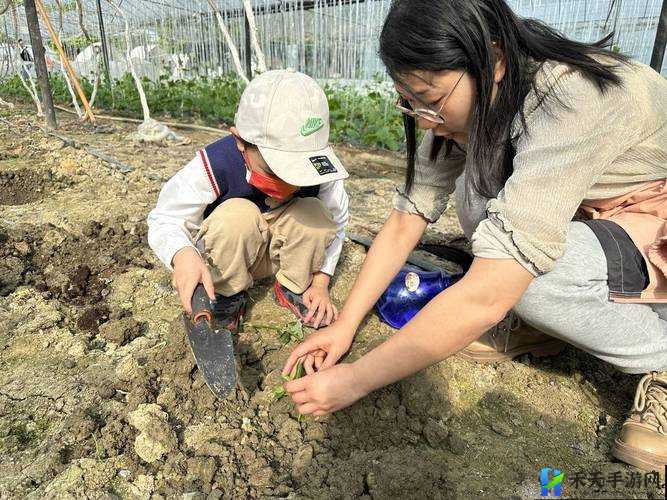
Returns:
(557, 151)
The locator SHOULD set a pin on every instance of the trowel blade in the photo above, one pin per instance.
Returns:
(213, 350)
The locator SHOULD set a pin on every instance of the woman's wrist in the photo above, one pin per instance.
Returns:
(362, 382)
(349, 325)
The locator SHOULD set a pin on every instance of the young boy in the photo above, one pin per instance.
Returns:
(266, 200)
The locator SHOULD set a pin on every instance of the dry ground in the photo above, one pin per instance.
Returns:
(100, 398)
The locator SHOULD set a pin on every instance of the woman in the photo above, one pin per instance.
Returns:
(537, 129)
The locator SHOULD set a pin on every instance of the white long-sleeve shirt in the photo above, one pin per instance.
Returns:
(180, 208)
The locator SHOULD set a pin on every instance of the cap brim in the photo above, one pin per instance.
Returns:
(305, 168)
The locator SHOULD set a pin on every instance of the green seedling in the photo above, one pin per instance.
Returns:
(99, 449)
(279, 391)
(291, 332)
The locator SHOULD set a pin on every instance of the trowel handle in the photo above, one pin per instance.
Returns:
(201, 305)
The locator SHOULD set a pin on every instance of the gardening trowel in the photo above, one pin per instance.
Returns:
(212, 347)
(443, 251)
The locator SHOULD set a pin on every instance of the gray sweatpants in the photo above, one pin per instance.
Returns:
(571, 302)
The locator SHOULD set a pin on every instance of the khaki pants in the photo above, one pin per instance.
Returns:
(242, 245)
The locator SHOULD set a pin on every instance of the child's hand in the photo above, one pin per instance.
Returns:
(189, 271)
(319, 305)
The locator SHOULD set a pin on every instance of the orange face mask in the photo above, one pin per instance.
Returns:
(270, 186)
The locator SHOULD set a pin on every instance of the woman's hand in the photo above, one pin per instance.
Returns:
(313, 361)
(189, 271)
(326, 391)
(387, 254)
(322, 349)
(321, 311)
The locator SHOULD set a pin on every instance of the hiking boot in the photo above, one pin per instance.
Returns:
(228, 311)
(511, 338)
(642, 441)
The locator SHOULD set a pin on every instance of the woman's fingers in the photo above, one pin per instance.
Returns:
(307, 299)
(307, 409)
(330, 360)
(300, 397)
(297, 385)
(318, 362)
(308, 364)
(335, 309)
(185, 293)
(310, 344)
(324, 309)
(328, 318)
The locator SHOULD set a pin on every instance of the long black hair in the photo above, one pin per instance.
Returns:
(437, 35)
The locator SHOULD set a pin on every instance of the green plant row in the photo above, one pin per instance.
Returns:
(359, 117)
(73, 43)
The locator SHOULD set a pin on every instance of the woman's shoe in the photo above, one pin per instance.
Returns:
(511, 338)
(642, 441)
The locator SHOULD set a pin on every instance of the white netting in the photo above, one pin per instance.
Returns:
(329, 39)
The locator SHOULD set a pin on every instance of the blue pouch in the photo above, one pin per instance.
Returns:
(410, 290)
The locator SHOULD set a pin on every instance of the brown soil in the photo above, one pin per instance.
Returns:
(100, 397)
(21, 186)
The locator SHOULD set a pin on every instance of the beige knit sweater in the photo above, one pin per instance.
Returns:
(602, 146)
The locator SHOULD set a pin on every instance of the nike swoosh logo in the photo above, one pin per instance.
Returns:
(311, 126)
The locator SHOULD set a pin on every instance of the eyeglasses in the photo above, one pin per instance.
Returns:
(426, 113)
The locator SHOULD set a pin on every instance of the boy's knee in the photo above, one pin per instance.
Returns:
(237, 209)
(312, 219)
(234, 218)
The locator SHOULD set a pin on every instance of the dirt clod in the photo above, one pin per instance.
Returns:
(457, 444)
(91, 319)
(435, 433)
(156, 438)
(122, 331)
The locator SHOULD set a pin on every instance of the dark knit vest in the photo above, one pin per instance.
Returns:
(226, 171)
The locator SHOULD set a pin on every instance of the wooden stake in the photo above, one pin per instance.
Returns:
(251, 32)
(64, 59)
(230, 42)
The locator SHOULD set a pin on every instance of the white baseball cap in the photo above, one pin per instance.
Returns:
(286, 115)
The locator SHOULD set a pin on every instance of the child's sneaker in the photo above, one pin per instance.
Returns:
(290, 300)
(229, 311)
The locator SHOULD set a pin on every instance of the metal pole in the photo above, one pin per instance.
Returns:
(660, 39)
(248, 53)
(103, 39)
(63, 58)
(40, 63)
